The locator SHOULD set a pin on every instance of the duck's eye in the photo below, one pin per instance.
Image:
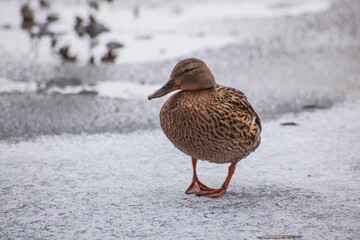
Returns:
(187, 70)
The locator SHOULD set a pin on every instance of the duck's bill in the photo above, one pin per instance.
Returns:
(167, 88)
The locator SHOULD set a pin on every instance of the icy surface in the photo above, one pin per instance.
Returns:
(115, 89)
(303, 180)
(149, 36)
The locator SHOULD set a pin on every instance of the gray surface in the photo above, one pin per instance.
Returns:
(303, 180)
(29, 115)
(83, 153)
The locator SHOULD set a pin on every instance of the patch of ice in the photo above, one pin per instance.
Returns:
(16, 86)
(125, 89)
(117, 89)
(255, 9)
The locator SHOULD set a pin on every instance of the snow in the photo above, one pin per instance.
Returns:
(115, 89)
(10, 86)
(148, 37)
(127, 90)
(303, 180)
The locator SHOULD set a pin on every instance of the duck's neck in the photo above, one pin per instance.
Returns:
(203, 83)
(207, 81)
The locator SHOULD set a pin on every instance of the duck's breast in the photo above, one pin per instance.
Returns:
(209, 125)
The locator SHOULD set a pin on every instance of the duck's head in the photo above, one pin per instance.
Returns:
(188, 74)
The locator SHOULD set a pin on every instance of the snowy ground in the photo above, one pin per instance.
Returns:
(303, 180)
(82, 155)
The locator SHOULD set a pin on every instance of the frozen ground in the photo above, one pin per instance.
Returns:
(303, 180)
(82, 155)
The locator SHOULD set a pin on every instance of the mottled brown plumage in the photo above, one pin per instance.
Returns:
(207, 121)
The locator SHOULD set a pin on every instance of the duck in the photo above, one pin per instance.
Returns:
(207, 121)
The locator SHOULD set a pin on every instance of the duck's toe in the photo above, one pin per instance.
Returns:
(214, 193)
(196, 187)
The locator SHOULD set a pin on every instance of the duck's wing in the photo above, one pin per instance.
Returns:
(234, 99)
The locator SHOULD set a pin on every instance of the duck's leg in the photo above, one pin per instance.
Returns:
(196, 186)
(219, 192)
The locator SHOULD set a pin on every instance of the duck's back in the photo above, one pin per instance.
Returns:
(218, 125)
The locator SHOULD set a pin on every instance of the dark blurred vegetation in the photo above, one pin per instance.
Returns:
(89, 28)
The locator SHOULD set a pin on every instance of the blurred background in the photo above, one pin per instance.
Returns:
(75, 66)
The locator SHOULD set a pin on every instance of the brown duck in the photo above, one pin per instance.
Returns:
(207, 121)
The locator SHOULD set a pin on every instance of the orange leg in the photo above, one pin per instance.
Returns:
(221, 191)
(202, 190)
(196, 186)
